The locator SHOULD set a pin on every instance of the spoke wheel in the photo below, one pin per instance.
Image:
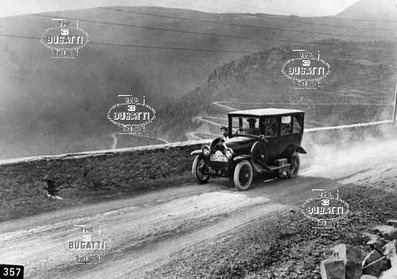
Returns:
(200, 170)
(243, 175)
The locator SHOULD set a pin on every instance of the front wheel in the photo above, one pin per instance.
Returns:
(243, 175)
(198, 170)
(293, 169)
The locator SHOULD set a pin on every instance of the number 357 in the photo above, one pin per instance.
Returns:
(11, 272)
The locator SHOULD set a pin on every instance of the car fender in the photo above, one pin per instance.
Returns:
(300, 150)
(259, 148)
(241, 157)
(294, 148)
(196, 152)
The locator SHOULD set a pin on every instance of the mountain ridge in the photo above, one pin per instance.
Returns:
(257, 79)
(384, 10)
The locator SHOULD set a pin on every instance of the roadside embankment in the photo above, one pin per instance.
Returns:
(92, 176)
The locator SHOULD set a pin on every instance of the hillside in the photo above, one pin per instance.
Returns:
(51, 106)
(361, 73)
(382, 10)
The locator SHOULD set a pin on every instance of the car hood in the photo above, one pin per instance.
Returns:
(239, 142)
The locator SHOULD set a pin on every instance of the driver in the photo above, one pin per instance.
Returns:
(225, 133)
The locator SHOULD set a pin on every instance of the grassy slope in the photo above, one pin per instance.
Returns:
(48, 103)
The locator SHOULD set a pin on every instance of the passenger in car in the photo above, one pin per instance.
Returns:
(271, 127)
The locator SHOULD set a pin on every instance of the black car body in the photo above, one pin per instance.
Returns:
(256, 141)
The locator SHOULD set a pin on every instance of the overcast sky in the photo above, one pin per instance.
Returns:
(295, 7)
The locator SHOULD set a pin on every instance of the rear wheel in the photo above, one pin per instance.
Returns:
(199, 169)
(293, 169)
(243, 175)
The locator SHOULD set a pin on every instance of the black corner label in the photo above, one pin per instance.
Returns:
(9, 271)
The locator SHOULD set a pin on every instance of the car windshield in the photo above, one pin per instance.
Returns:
(245, 125)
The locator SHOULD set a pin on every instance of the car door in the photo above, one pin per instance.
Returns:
(286, 136)
(272, 138)
(297, 128)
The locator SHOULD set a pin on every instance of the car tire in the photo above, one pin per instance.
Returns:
(293, 170)
(198, 175)
(243, 175)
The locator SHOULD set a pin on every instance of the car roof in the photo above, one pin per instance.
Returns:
(265, 112)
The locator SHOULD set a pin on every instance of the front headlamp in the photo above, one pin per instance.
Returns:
(206, 150)
(228, 153)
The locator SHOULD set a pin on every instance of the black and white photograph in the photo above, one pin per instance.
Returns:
(198, 139)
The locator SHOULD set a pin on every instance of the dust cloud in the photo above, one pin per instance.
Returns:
(344, 156)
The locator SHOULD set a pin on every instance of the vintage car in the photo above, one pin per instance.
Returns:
(257, 141)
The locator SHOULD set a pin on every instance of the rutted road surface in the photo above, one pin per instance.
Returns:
(145, 231)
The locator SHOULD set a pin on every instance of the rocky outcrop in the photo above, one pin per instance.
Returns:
(350, 262)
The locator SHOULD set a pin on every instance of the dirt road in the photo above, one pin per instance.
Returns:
(144, 231)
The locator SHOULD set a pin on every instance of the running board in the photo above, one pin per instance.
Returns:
(271, 168)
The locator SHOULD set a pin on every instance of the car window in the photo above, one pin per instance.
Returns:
(271, 126)
(286, 123)
(297, 124)
(246, 125)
